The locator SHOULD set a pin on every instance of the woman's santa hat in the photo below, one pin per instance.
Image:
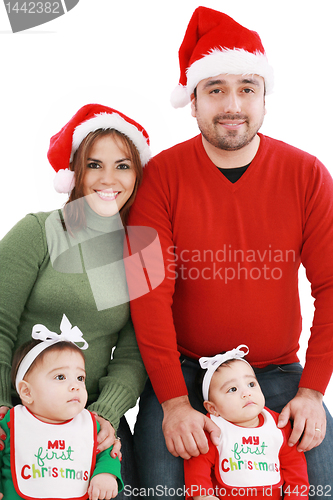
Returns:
(215, 44)
(89, 118)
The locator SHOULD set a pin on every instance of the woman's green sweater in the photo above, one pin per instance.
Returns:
(46, 272)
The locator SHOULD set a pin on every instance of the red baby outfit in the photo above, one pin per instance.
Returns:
(249, 461)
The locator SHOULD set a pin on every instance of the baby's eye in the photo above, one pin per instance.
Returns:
(232, 389)
(81, 378)
(252, 384)
(60, 377)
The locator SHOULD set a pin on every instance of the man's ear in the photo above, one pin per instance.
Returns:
(24, 391)
(193, 107)
(211, 408)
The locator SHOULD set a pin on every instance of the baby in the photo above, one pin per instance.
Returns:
(252, 458)
(51, 452)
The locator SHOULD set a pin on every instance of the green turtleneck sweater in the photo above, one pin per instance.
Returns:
(46, 272)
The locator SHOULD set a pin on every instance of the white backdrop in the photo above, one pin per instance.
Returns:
(125, 55)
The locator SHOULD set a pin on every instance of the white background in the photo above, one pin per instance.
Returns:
(124, 54)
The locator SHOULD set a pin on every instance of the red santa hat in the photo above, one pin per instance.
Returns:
(215, 44)
(89, 118)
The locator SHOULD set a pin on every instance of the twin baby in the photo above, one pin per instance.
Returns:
(51, 445)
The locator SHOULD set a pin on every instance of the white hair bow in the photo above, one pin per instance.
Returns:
(41, 332)
(68, 334)
(211, 365)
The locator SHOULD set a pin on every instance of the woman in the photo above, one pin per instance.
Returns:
(70, 261)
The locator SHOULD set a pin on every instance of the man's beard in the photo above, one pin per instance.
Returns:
(231, 140)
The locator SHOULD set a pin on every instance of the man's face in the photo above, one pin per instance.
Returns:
(230, 109)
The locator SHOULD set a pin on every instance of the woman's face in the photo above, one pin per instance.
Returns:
(109, 177)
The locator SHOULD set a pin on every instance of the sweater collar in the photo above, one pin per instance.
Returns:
(99, 223)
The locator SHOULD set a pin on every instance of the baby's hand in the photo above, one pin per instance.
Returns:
(103, 486)
(207, 497)
(1, 496)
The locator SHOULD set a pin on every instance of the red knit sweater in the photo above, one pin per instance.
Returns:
(232, 253)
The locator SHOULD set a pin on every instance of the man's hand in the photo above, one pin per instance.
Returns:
(107, 437)
(184, 427)
(309, 419)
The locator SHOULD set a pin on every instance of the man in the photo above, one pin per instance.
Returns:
(236, 213)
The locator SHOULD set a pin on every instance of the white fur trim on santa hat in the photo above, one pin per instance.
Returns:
(64, 181)
(226, 61)
(107, 121)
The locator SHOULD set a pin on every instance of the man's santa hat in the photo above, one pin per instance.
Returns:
(88, 119)
(215, 44)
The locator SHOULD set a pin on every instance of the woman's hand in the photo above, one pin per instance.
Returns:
(3, 411)
(107, 437)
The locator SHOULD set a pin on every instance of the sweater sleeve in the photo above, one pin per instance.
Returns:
(6, 483)
(293, 469)
(1, 460)
(22, 251)
(152, 312)
(124, 382)
(198, 473)
(106, 464)
(317, 259)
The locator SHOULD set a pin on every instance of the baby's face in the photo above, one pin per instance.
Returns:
(236, 394)
(57, 385)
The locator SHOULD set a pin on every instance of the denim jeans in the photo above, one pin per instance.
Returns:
(161, 475)
(128, 469)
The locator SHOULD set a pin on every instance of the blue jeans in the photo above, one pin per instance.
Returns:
(161, 475)
(128, 469)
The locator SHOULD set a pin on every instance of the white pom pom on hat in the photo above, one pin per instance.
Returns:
(64, 181)
(89, 118)
(180, 97)
(215, 44)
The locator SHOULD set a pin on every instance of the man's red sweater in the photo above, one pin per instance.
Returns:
(232, 253)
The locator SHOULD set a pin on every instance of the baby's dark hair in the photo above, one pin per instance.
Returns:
(202, 372)
(23, 350)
